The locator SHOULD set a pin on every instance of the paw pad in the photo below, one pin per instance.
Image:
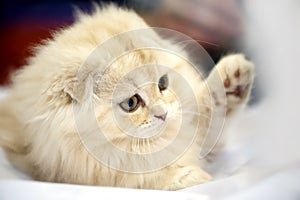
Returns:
(237, 73)
(236, 92)
(227, 83)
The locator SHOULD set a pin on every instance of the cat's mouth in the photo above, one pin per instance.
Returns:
(153, 128)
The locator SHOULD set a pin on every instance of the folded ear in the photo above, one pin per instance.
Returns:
(79, 89)
(77, 81)
(71, 87)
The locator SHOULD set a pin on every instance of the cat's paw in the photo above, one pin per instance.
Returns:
(237, 74)
(186, 177)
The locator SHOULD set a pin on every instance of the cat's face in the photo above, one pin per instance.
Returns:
(148, 105)
(143, 102)
(140, 99)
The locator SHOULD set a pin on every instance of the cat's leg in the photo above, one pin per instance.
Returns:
(236, 74)
(178, 177)
(227, 89)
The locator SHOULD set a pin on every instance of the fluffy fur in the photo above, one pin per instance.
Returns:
(38, 128)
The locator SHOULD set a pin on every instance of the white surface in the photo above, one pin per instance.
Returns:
(34, 190)
(262, 161)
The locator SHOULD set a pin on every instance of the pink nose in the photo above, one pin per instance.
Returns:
(162, 117)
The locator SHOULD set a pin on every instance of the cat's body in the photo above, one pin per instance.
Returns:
(40, 117)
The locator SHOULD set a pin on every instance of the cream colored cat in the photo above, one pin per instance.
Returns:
(69, 117)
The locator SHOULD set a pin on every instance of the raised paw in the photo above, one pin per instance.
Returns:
(237, 74)
(187, 176)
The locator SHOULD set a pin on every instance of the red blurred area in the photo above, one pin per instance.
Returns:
(17, 41)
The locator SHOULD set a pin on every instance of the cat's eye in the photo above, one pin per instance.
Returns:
(163, 83)
(131, 104)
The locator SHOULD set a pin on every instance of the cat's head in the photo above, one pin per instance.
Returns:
(141, 96)
(138, 98)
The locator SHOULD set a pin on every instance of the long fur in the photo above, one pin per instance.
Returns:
(39, 118)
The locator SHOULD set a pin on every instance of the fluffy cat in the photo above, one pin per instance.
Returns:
(47, 131)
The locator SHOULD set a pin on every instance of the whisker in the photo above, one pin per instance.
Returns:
(188, 102)
(194, 113)
(192, 106)
(209, 43)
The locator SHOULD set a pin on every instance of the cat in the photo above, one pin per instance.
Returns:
(50, 119)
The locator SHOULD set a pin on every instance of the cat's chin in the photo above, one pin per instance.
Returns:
(150, 131)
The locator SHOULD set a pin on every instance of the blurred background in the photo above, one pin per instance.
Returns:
(266, 31)
(216, 25)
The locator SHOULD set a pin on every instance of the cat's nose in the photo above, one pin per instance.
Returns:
(159, 111)
(162, 117)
